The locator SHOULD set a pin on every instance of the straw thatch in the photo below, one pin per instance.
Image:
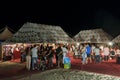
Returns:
(93, 36)
(32, 33)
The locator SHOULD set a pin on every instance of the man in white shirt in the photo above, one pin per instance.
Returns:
(97, 54)
(34, 53)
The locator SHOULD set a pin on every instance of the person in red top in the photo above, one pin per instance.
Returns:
(16, 53)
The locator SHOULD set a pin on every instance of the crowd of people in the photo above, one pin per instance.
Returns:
(43, 57)
(94, 53)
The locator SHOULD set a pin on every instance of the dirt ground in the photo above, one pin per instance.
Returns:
(10, 70)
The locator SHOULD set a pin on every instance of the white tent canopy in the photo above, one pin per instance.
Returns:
(32, 33)
(93, 36)
(5, 34)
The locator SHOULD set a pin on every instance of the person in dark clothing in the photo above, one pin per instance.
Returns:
(112, 53)
(50, 56)
(59, 56)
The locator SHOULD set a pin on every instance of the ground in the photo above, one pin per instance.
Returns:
(17, 71)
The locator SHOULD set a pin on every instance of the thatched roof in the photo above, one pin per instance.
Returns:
(32, 33)
(116, 39)
(93, 36)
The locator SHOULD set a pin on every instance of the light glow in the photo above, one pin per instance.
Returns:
(110, 43)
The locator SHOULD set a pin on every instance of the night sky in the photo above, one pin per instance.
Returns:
(71, 17)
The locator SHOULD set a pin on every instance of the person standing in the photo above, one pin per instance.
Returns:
(28, 58)
(59, 54)
(65, 51)
(106, 53)
(88, 51)
(97, 54)
(34, 52)
(23, 55)
(84, 55)
(50, 56)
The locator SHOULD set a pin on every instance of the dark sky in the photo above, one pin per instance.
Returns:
(72, 17)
